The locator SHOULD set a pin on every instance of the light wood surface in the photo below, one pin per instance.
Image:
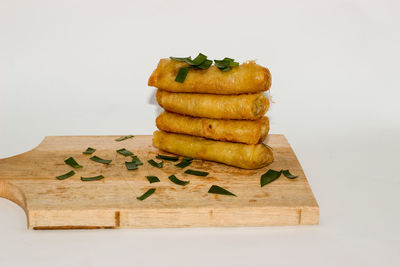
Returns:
(29, 180)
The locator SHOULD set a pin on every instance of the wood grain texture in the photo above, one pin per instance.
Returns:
(29, 180)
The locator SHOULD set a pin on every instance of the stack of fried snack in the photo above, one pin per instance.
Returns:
(214, 115)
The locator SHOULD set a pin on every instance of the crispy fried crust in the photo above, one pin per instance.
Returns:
(234, 154)
(237, 107)
(247, 78)
(248, 132)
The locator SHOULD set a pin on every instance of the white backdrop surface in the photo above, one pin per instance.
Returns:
(81, 68)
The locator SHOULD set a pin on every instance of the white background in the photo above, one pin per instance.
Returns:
(80, 67)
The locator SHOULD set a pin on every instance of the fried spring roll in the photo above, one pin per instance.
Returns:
(241, 131)
(247, 78)
(240, 107)
(234, 154)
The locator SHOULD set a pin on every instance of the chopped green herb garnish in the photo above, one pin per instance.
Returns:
(124, 138)
(71, 162)
(89, 151)
(155, 164)
(183, 59)
(124, 152)
(100, 160)
(221, 63)
(226, 64)
(201, 62)
(131, 165)
(182, 73)
(198, 60)
(188, 158)
(170, 158)
(198, 173)
(147, 194)
(288, 174)
(269, 176)
(175, 180)
(184, 163)
(215, 189)
(231, 61)
(205, 65)
(95, 178)
(226, 69)
(152, 179)
(136, 160)
(65, 176)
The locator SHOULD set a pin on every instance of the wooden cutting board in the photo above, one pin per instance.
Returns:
(29, 180)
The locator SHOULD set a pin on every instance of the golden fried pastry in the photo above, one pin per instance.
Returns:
(247, 78)
(240, 107)
(241, 131)
(234, 154)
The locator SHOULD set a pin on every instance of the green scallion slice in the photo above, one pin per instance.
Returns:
(184, 163)
(89, 151)
(226, 64)
(147, 194)
(155, 164)
(288, 174)
(122, 138)
(199, 60)
(175, 180)
(131, 165)
(95, 178)
(205, 65)
(215, 189)
(221, 63)
(100, 160)
(65, 176)
(136, 160)
(170, 158)
(226, 69)
(269, 176)
(197, 173)
(182, 73)
(228, 59)
(125, 152)
(71, 162)
(183, 59)
(231, 61)
(152, 179)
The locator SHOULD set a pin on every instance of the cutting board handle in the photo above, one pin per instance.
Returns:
(7, 189)
(13, 193)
